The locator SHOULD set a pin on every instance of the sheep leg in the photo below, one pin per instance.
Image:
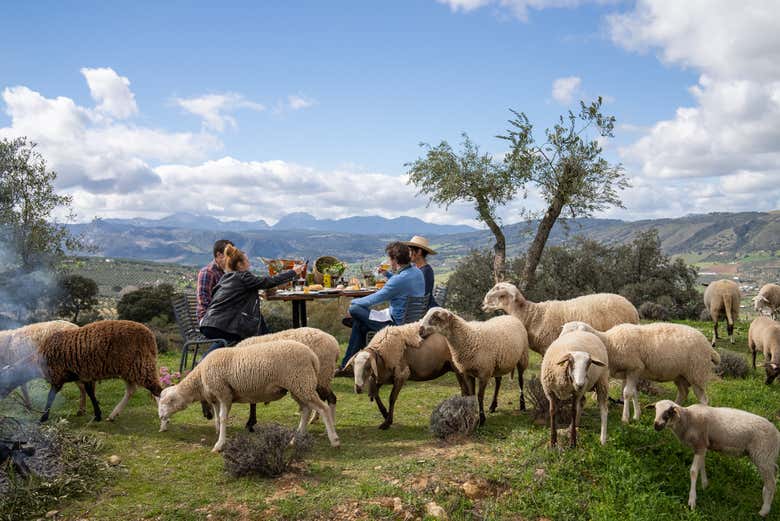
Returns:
(602, 395)
(129, 390)
(730, 330)
(208, 412)
(682, 390)
(379, 404)
(494, 403)
(715, 333)
(464, 386)
(49, 401)
(90, 388)
(397, 385)
(767, 469)
(701, 394)
(481, 398)
(252, 421)
(312, 401)
(82, 400)
(224, 409)
(471, 381)
(575, 412)
(629, 394)
(520, 372)
(305, 415)
(215, 407)
(698, 462)
(553, 429)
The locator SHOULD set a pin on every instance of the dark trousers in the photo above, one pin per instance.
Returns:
(361, 325)
(212, 332)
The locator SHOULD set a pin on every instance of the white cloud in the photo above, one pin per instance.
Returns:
(299, 102)
(517, 8)
(111, 91)
(213, 108)
(564, 89)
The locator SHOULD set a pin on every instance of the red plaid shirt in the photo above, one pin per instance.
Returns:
(208, 277)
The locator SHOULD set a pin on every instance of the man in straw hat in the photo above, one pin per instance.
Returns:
(420, 249)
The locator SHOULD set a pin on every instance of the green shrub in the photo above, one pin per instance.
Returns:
(145, 304)
(653, 311)
(467, 285)
(732, 365)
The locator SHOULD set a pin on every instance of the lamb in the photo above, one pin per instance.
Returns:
(661, 352)
(574, 364)
(97, 351)
(764, 335)
(723, 429)
(543, 320)
(481, 350)
(324, 345)
(397, 354)
(768, 300)
(251, 374)
(722, 296)
(22, 343)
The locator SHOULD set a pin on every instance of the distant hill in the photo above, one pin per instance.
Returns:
(186, 239)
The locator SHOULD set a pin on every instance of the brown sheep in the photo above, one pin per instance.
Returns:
(722, 297)
(98, 351)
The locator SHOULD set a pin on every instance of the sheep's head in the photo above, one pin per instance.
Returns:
(364, 366)
(761, 304)
(436, 320)
(577, 364)
(171, 401)
(503, 296)
(772, 371)
(568, 327)
(666, 413)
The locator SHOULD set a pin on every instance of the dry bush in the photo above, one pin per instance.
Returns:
(540, 406)
(266, 452)
(731, 365)
(456, 415)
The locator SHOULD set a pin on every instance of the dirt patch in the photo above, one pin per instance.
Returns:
(360, 511)
(234, 509)
(723, 269)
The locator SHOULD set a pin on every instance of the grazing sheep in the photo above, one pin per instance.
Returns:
(97, 351)
(660, 352)
(722, 429)
(251, 374)
(324, 345)
(574, 364)
(768, 300)
(21, 343)
(543, 320)
(764, 335)
(482, 350)
(722, 297)
(397, 354)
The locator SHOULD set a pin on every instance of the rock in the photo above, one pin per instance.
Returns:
(471, 489)
(52, 513)
(539, 474)
(398, 505)
(114, 460)
(420, 484)
(434, 510)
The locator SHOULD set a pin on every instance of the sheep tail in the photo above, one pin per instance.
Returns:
(727, 305)
(714, 356)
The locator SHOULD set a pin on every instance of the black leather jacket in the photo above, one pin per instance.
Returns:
(235, 292)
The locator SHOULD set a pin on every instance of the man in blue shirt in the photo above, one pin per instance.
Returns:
(408, 281)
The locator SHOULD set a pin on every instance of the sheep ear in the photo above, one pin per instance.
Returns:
(650, 406)
(564, 359)
(373, 366)
(351, 361)
(599, 363)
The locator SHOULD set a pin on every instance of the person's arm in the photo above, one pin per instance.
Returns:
(204, 288)
(252, 281)
(385, 294)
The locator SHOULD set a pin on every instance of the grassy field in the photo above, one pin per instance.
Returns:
(639, 474)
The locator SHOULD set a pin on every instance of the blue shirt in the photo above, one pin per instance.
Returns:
(408, 282)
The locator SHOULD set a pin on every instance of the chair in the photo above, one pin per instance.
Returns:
(440, 295)
(184, 309)
(416, 308)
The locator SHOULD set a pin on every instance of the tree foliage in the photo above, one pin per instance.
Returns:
(467, 285)
(447, 177)
(568, 169)
(76, 294)
(146, 303)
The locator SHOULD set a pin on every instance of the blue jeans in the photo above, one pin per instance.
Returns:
(213, 332)
(361, 325)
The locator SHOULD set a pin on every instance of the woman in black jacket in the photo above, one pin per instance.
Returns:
(234, 311)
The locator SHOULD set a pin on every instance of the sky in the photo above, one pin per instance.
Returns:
(253, 110)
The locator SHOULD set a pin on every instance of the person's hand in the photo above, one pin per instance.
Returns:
(298, 269)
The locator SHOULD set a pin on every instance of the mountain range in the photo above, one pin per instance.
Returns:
(187, 239)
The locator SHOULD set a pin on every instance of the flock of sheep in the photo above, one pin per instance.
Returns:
(584, 341)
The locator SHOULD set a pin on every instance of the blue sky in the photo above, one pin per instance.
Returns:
(257, 109)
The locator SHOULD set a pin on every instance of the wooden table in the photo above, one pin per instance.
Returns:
(299, 299)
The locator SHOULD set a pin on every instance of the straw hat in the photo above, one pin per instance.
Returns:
(420, 242)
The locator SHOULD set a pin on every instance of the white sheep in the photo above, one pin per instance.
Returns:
(661, 352)
(324, 345)
(727, 430)
(482, 350)
(768, 300)
(397, 354)
(764, 336)
(543, 320)
(251, 374)
(574, 364)
(722, 297)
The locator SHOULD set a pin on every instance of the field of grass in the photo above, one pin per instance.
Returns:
(639, 474)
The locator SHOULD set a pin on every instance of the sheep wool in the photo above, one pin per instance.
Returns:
(251, 374)
(660, 352)
(482, 350)
(768, 300)
(543, 320)
(574, 364)
(764, 336)
(721, 298)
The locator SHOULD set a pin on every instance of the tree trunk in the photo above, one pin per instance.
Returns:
(499, 248)
(537, 246)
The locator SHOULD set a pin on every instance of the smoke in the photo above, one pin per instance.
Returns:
(24, 294)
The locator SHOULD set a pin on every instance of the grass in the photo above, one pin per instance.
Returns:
(639, 474)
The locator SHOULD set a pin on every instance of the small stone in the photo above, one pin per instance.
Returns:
(420, 484)
(398, 505)
(52, 513)
(210, 516)
(114, 460)
(203, 441)
(539, 474)
(378, 467)
(434, 510)
(471, 489)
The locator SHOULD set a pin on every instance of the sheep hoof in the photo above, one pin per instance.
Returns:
(216, 450)
(111, 418)
(81, 412)
(385, 425)
(493, 408)
(481, 419)
(336, 444)
(97, 418)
